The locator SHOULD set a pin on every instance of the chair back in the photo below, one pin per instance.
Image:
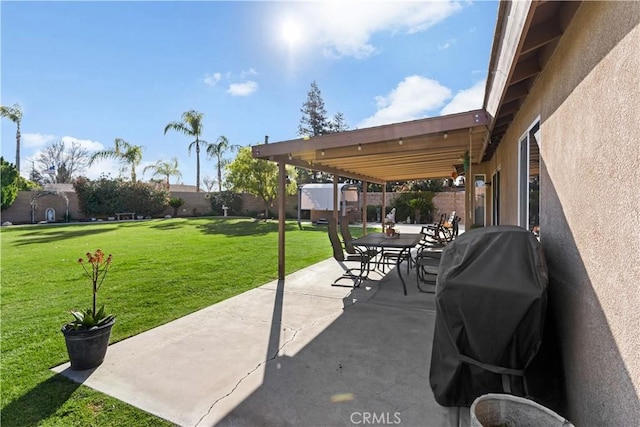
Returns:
(347, 238)
(456, 226)
(332, 229)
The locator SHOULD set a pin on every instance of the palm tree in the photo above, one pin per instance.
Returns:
(191, 125)
(217, 150)
(165, 169)
(15, 115)
(128, 154)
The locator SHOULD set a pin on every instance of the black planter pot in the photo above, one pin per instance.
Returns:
(87, 347)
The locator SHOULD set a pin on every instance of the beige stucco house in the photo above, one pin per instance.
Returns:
(555, 148)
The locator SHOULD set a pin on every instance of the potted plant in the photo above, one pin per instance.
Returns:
(87, 334)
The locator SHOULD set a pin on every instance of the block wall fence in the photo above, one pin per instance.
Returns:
(196, 204)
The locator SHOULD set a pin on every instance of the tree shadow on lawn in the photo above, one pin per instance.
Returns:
(170, 224)
(53, 235)
(39, 403)
(249, 227)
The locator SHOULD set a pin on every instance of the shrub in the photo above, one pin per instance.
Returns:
(373, 211)
(9, 175)
(226, 198)
(407, 203)
(105, 197)
(142, 198)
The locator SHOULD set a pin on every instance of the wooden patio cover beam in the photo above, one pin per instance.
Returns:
(424, 139)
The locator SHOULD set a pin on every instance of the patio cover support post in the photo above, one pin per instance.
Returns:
(282, 191)
(335, 197)
(384, 204)
(469, 185)
(299, 204)
(364, 207)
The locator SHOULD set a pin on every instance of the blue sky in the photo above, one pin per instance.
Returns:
(95, 71)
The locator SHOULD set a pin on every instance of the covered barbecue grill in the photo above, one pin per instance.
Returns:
(491, 298)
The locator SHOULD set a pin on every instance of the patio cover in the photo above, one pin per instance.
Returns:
(418, 149)
(427, 148)
(491, 298)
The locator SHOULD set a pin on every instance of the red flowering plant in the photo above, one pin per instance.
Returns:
(96, 267)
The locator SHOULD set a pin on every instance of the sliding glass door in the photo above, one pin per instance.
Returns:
(529, 180)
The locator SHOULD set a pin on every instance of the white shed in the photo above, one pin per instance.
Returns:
(318, 198)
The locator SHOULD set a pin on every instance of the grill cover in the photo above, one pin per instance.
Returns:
(491, 297)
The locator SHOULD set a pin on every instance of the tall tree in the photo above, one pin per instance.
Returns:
(314, 122)
(338, 124)
(58, 163)
(258, 177)
(217, 150)
(15, 115)
(166, 169)
(127, 154)
(191, 125)
(314, 116)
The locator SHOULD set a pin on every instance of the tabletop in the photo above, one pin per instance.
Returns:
(402, 240)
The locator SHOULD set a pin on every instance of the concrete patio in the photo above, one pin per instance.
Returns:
(293, 352)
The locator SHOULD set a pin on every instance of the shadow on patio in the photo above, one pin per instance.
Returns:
(369, 365)
(293, 352)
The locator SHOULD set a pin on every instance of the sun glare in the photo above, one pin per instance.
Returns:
(291, 33)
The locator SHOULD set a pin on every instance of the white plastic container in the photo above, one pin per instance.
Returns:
(505, 410)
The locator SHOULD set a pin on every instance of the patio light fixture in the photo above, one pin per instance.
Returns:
(322, 152)
(446, 134)
(400, 141)
(359, 147)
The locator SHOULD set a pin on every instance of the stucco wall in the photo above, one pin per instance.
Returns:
(588, 100)
(20, 211)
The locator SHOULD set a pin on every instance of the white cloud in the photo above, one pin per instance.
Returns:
(410, 100)
(447, 44)
(466, 100)
(345, 28)
(250, 72)
(235, 89)
(90, 146)
(35, 140)
(109, 167)
(212, 79)
(242, 89)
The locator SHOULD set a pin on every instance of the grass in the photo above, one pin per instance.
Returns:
(162, 270)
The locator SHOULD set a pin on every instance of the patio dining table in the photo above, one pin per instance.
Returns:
(403, 241)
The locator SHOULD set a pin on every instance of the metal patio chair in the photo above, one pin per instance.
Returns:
(347, 240)
(339, 254)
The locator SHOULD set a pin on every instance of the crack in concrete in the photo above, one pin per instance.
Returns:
(283, 327)
(302, 328)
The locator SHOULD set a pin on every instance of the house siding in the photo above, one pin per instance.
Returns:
(588, 101)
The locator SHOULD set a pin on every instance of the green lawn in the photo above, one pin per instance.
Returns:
(162, 270)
